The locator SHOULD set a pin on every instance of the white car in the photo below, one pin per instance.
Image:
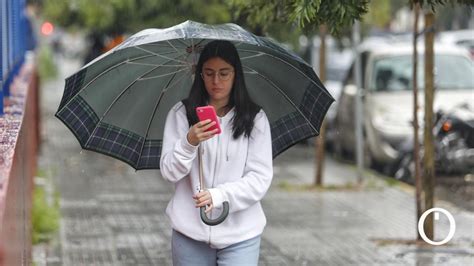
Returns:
(388, 96)
(462, 38)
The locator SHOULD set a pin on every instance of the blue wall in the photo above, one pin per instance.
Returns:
(15, 31)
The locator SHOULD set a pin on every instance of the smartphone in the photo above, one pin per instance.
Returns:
(208, 112)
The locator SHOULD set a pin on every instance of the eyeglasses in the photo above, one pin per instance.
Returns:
(223, 75)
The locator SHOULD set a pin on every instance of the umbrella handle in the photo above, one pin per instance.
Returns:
(217, 221)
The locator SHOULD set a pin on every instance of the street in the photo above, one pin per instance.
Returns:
(113, 215)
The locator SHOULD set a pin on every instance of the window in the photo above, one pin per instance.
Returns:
(395, 73)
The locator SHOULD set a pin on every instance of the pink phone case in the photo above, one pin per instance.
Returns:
(208, 112)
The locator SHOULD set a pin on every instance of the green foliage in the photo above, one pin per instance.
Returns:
(45, 218)
(46, 67)
(306, 14)
(379, 14)
(392, 182)
(257, 13)
(59, 11)
(169, 12)
(120, 16)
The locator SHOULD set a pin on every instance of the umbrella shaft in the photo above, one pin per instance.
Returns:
(201, 183)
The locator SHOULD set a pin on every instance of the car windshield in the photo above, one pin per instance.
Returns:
(395, 73)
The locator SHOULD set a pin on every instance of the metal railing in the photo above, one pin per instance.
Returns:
(14, 41)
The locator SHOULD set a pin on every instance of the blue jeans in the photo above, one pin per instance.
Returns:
(187, 251)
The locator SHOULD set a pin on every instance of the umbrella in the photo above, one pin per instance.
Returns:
(117, 104)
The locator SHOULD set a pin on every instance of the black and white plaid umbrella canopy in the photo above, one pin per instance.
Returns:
(117, 104)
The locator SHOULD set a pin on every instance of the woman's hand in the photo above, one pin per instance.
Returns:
(198, 133)
(202, 199)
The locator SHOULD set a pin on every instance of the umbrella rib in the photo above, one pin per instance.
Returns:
(310, 79)
(162, 65)
(172, 46)
(195, 59)
(238, 43)
(252, 56)
(113, 102)
(156, 54)
(160, 44)
(284, 95)
(163, 75)
(103, 73)
(192, 51)
(183, 42)
(168, 86)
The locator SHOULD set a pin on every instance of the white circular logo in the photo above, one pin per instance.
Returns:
(452, 225)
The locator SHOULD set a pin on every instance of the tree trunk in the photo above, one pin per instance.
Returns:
(321, 140)
(416, 151)
(428, 158)
(362, 149)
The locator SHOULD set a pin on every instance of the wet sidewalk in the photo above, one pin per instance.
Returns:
(113, 215)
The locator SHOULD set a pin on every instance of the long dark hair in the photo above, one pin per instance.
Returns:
(245, 108)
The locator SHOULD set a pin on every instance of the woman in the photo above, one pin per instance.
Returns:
(237, 165)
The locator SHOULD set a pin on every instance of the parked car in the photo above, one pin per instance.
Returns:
(462, 38)
(335, 74)
(388, 97)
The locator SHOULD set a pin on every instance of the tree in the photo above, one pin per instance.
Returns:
(121, 16)
(428, 178)
(320, 151)
(115, 17)
(379, 14)
(416, 147)
(428, 140)
(335, 15)
(307, 15)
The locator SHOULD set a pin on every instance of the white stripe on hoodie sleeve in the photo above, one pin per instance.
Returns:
(258, 172)
(177, 154)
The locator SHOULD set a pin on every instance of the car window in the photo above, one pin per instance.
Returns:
(395, 73)
(392, 73)
(454, 72)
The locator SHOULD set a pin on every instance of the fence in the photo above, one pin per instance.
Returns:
(19, 134)
(16, 38)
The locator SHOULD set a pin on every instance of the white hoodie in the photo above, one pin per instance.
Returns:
(238, 171)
